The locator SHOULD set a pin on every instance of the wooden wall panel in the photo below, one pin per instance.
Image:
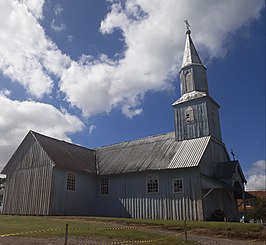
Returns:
(29, 183)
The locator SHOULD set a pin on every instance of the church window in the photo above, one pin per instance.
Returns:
(189, 114)
(188, 81)
(104, 186)
(178, 185)
(71, 181)
(152, 183)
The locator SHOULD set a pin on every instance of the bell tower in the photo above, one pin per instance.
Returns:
(196, 113)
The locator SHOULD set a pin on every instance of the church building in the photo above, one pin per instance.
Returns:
(185, 174)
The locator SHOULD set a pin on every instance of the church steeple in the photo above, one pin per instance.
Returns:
(193, 72)
(196, 113)
(190, 53)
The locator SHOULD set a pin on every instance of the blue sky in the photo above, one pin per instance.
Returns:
(101, 72)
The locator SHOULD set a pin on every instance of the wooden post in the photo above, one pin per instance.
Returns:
(66, 234)
(185, 229)
(226, 231)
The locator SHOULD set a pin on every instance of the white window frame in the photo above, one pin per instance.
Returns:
(155, 178)
(189, 115)
(71, 181)
(173, 184)
(106, 185)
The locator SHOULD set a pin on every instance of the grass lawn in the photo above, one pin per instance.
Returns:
(120, 229)
(48, 226)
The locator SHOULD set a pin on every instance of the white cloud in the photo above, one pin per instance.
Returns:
(58, 9)
(153, 35)
(27, 54)
(70, 38)
(18, 117)
(92, 128)
(58, 27)
(35, 7)
(256, 176)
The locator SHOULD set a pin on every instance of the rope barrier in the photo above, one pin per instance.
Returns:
(98, 229)
(132, 241)
(76, 229)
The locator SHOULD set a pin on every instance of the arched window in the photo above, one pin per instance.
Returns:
(189, 114)
(188, 81)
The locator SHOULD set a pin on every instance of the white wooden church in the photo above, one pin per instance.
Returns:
(183, 174)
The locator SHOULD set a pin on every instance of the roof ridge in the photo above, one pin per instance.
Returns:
(34, 133)
(127, 141)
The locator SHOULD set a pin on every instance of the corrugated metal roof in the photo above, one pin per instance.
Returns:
(67, 155)
(189, 152)
(151, 153)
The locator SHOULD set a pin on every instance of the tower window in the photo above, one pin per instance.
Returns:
(152, 183)
(71, 181)
(104, 186)
(188, 81)
(178, 185)
(189, 114)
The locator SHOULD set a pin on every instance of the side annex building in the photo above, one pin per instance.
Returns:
(182, 174)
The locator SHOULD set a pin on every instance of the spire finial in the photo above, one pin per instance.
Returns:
(187, 26)
(233, 154)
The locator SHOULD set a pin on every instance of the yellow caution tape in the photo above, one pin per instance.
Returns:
(97, 229)
(132, 241)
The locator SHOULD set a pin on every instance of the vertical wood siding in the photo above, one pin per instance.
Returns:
(29, 184)
(163, 208)
(81, 201)
(128, 197)
(199, 128)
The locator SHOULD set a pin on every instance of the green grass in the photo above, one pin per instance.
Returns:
(98, 228)
(215, 226)
(233, 229)
(79, 226)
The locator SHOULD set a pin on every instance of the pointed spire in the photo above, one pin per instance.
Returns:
(190, 54)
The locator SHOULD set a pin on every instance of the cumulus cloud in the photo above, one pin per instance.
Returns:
(153, 37)
(18, 117)
(58, 9)
(58, 27)
(256, 176)
(35, 7)
(70, 38)
(92, 128)
(27, 55)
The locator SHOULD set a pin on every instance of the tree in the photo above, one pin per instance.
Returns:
(259, 211)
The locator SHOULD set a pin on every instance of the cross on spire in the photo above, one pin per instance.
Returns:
(233, 154)
(187, 26)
